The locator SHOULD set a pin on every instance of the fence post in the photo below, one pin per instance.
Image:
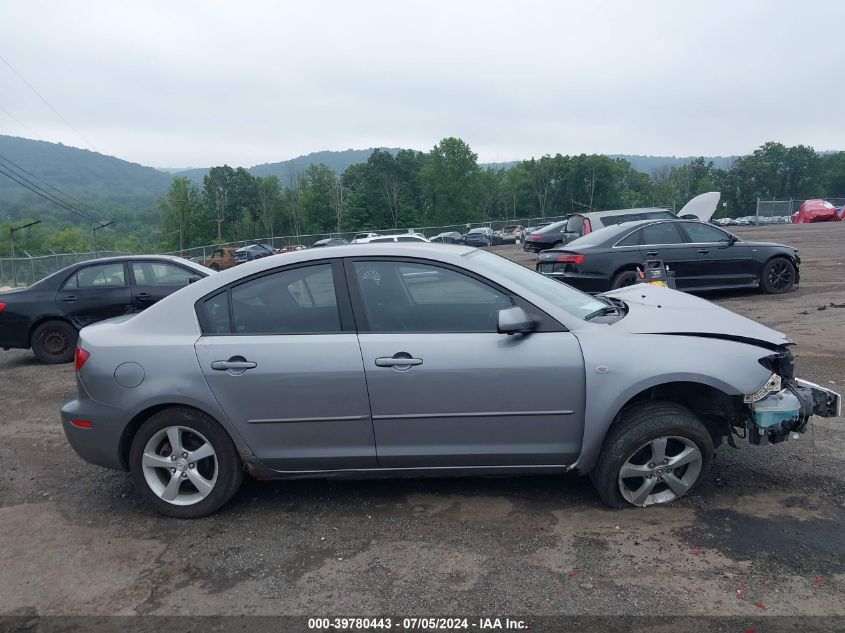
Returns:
(31, 267)
(757, 213)
(14, 273)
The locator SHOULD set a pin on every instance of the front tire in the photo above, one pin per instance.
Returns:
(184, 463)
(54, 342)
(658, 452)
(778, 276)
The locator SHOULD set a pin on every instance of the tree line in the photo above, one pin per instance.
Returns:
(447, 186)
(444, 186)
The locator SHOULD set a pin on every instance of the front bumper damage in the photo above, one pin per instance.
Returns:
(783, 406)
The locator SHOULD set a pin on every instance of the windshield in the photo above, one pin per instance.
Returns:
(565, 297)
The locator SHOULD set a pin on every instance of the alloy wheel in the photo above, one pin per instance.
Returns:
(660, 471)
(780, 275)
(180, 465)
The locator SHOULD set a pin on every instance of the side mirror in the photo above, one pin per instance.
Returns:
(515, 321)
(193, 278)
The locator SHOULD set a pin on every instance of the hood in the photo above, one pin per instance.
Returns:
(703, 206)
(658, 310)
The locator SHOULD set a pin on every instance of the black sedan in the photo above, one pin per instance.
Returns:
(481, 236)
(702, 256)
(48, 315)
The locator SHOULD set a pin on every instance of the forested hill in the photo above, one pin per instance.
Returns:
(80, 170)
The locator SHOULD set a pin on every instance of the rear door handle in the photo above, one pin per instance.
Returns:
(703, 251)
(651, 253)
(70, 299)
(144, 296)
(237, 363)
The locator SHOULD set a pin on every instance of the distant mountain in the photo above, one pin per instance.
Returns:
(650, 164)
(337, 161)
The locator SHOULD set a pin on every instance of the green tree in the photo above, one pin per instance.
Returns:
(180, 212)
(450, 180)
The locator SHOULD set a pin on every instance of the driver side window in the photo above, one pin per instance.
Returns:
(412, 297)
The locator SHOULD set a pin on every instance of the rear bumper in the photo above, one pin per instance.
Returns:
(13, 333)
(101, 443)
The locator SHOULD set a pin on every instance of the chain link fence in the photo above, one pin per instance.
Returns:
(201, 253)
(781, 211)
(27, 269)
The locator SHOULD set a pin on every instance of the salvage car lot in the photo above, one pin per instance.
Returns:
(763, 535)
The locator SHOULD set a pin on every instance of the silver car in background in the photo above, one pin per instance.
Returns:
(412, 359)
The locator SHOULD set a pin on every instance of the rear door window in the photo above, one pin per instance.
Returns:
(159, 274)
(631, 240)
(296, 301)
(700, 233)
(97, 276)
(661, 233)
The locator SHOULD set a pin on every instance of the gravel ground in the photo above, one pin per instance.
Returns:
(763, 535)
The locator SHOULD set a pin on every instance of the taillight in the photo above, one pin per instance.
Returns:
(570, 258)
(535, 238)
(2, 306)
(587, 226)
(82, 424)
(81, 357)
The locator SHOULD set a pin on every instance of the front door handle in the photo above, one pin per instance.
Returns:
(70, 299)
(703, 251)
(236, 363)
(651, 253)
(401, 361)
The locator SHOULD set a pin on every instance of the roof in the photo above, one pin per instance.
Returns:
(612, 212)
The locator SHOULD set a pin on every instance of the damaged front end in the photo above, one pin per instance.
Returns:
(785, 403)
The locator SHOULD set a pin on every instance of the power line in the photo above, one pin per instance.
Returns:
(47, 103)
(18, 168)
(19, 122)
(36, 189)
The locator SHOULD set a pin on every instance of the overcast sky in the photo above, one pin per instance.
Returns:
(201, 83)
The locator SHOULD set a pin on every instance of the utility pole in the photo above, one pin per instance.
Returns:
(12, 232)
(102, 225)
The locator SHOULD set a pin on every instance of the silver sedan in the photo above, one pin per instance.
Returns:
(402, 360)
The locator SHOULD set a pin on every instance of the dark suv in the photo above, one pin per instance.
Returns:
(580, 224)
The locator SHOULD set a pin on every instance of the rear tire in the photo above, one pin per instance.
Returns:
(624, 278)
(658, 444)
(205, 454)
(54, 342)
(778, 276)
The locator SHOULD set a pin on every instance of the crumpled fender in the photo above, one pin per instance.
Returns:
(620, 366)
